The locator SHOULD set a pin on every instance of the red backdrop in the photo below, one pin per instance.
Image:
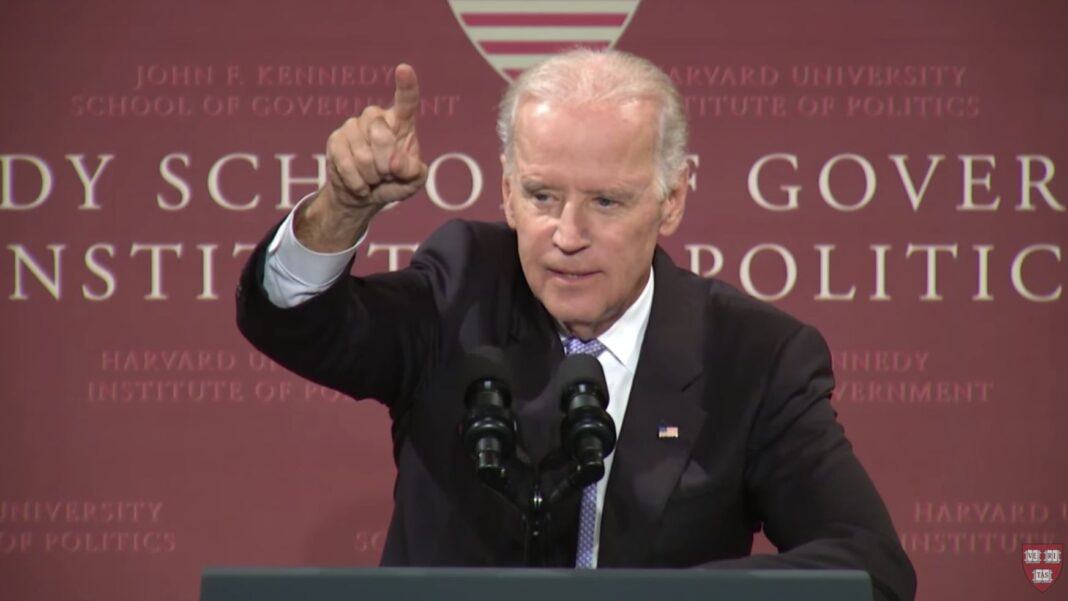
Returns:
(885, 171)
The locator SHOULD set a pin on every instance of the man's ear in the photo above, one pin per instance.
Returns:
(506, 194)
(674, 205)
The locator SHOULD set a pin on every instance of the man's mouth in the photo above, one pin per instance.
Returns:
(571, 275)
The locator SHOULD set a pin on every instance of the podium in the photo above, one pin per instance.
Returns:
(528, 584)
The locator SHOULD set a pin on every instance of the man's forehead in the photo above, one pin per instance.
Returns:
(548, 127)
(639, 109)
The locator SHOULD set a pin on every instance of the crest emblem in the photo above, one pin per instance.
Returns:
(515, 34)
(1042, 564)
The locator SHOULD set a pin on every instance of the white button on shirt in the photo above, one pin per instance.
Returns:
(294, 274)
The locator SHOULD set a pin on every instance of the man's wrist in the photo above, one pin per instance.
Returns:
(323, 225)
(294, 273)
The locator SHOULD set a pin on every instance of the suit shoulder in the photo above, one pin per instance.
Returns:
(473, 242)
(732, 308)
(483, 232)
(464, 260)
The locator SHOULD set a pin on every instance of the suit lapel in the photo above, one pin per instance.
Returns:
(534, 352)
(646, 468)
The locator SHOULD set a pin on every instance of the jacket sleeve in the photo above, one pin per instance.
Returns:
(368, 337)
(817, 503)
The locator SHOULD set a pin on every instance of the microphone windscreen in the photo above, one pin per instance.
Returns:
(485, 363)
(581, 369)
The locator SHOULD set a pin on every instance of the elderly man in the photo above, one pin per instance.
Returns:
(594, 172)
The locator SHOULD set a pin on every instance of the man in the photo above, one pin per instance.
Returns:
(594, 172)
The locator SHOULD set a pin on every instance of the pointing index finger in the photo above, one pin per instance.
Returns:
(405, 97)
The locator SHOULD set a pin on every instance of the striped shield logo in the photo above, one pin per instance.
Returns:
(515, 34)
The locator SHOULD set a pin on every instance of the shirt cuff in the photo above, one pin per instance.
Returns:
(294, 273)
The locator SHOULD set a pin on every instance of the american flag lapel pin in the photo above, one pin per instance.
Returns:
(667, 431)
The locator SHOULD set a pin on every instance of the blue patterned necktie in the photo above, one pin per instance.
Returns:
(588, 509)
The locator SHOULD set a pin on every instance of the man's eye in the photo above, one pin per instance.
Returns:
(605, 203)
(541, 197)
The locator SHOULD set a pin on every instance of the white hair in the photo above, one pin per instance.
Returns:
(584, 75)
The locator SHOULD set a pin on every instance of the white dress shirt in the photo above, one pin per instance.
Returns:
(623, 345)
(293, 274)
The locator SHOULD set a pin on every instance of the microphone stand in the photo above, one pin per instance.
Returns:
(536, 503)
(537, 516)
(489, 429)
(536, 520)
(532, 504)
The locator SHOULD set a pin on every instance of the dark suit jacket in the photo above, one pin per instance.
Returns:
(747, 385)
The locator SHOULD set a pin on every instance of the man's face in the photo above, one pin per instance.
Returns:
(584, 204)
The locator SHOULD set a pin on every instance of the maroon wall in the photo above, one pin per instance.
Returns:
(141, 438)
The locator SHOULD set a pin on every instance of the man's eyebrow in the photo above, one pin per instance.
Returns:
(620, 193)
(531, 185)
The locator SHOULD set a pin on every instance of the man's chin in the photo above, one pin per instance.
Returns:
(584, 324)
(570, 317)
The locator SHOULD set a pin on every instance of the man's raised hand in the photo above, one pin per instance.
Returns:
(373, 159)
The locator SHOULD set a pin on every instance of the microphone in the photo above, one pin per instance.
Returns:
(587, 432)
(488, 430)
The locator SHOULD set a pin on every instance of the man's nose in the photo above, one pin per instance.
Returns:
(572, 234)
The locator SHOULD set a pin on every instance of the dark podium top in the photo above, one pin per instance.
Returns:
(494, 584)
